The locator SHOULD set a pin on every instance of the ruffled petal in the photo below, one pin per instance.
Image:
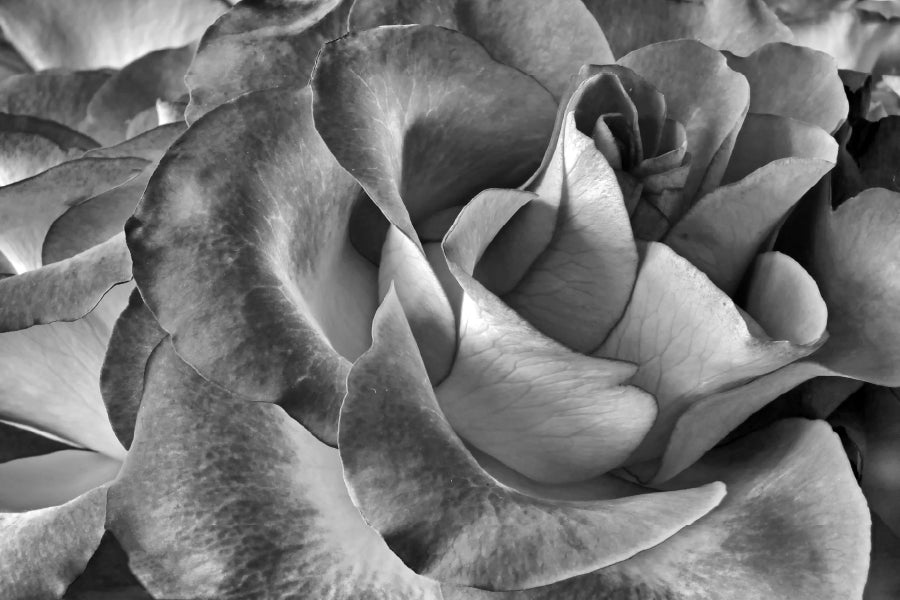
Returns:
(246, 259)
(283, 39)
(424, 118)
(690, 340)
(549, 40)
(704, 95)
(741, 26)
(881, 458)
(414, 481)
(96, 33)
(107, 576)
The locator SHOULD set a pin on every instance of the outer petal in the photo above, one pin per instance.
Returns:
(690, 340)
(245, 258)
(424, 118)
(701, 93)
(261, 45)
(549, 412)
(549, 40)
(415, 482)
(741, 26)
(94, 33)
(271, 517)
(44, 550)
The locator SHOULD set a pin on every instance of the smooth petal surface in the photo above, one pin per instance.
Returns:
(577, 289)
(548, 40)
(52, 479)
(704, 95)
(424, 118)
(689, 340)
(261, 45)
(57, 95)
(21, 442)
(44, 550)
(795, 82)
(29, 208)
(415, 482)
(241, 250)
(29, 145)
(881, 461)
(150, 145)
(854, 259)
(271, 518)
(87, 34)
(548, 412)
(741, 26)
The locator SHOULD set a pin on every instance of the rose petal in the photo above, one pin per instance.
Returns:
(52, 479)
(28, 208)
(19, 442)
(261, 45)
(795, 82)
(701, 93)
(698, 344)
(884, 578)
(150, 145)
(577, 289)
(95, 33)
(29, 145)
(550, 413)
(857, 42)
(56, 95)
(44, 550)
(431, 318)
(424, 118)
(881, 461)
(547, 40)
(877, 160)
(246, 259)
(136, 88)
(66, 290)
(271, 516)
(51, 374)
(107, 576)
(725, 230)
(741, 26)
(854, 260)
(415, 482)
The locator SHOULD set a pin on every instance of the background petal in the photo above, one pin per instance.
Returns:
(29, 145)
(57, 95)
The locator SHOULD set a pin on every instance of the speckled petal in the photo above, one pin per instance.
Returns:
(246, 259)
(43, 551)
(424, 118)
(414, 481)
(741, 26)
(549, 40)
(689, 340)
(95, 33)
(261, 45)
(270, 516)
(30, 145)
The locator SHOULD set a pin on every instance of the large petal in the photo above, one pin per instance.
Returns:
(854, 259)
(414, 481)
(690, 340)
(795, 82)
(261, 45)
(549, 40)
(270, 518)
(29, 208)
(741, 26)
(30, 145)
(56, 95)
(884, 578)
(43, 551)
(244, 256)
(704, 95)
(775, 161)
(424, 118)
(94, 33)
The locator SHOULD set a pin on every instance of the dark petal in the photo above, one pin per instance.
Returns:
(56, 95)
(245, 258)
(17, 442)
(549, 40)
(261, 45)
(107, 576)
(424, 118)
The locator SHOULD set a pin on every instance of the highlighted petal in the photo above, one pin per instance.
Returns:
(95, 33)
(261, 45)
(548, 40)
(548, 412)
(424, 118)
(43, 551)
(414, 481)
(689, 340)
(246, 259)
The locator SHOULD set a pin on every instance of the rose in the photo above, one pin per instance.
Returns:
(261, 338)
